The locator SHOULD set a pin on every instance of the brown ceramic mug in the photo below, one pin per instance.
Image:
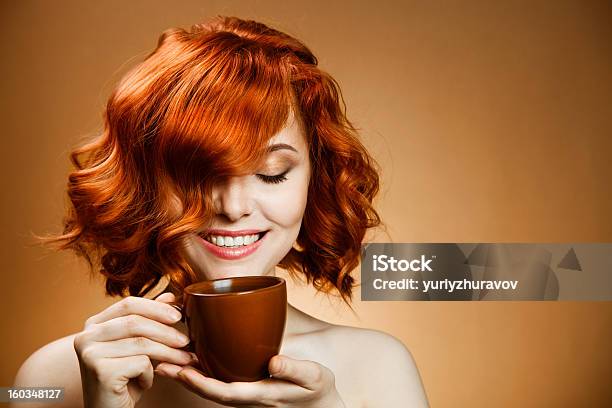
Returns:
(236, 325)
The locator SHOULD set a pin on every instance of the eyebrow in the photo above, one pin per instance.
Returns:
(281, 146)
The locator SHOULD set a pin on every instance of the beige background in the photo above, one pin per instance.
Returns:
(492, 121)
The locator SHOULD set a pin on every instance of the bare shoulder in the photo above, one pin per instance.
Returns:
(386, 366)
(53, 365)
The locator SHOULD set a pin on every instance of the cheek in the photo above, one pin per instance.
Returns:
(285, 204)
(190, 248)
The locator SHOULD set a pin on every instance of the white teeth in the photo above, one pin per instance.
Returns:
(225, 241)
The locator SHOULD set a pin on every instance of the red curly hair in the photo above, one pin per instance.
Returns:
(202, 107)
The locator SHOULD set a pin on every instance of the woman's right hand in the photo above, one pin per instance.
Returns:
(117, 345)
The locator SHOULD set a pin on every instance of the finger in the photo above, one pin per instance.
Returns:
(304, 373)
(140, 345)
(225, 393)
(145, 379)
(170, 298)
(171, 370)
(138, 367)
(138, 326)
(166, 297)
(168, 370)
(152, 309)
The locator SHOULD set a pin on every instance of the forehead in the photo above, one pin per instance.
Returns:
(292, 133)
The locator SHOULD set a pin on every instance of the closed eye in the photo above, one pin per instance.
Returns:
(275, 179)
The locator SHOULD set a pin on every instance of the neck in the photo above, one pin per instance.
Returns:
(299, 322)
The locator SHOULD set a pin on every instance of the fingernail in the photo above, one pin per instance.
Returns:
(174, 314)
(183, 339)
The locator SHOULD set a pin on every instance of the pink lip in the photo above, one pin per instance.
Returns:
(231, 253)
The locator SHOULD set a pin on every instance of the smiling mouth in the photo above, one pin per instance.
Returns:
(225, 241)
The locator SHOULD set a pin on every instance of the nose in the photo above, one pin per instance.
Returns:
(232, 199)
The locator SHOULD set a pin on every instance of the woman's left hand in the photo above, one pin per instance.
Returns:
(294, 383)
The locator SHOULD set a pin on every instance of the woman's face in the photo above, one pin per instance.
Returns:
(257, 216)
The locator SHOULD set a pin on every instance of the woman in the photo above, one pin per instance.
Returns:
(225, 153)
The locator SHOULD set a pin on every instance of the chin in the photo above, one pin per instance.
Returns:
(233, 272)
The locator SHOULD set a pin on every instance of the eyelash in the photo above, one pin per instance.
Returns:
(279, 178)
